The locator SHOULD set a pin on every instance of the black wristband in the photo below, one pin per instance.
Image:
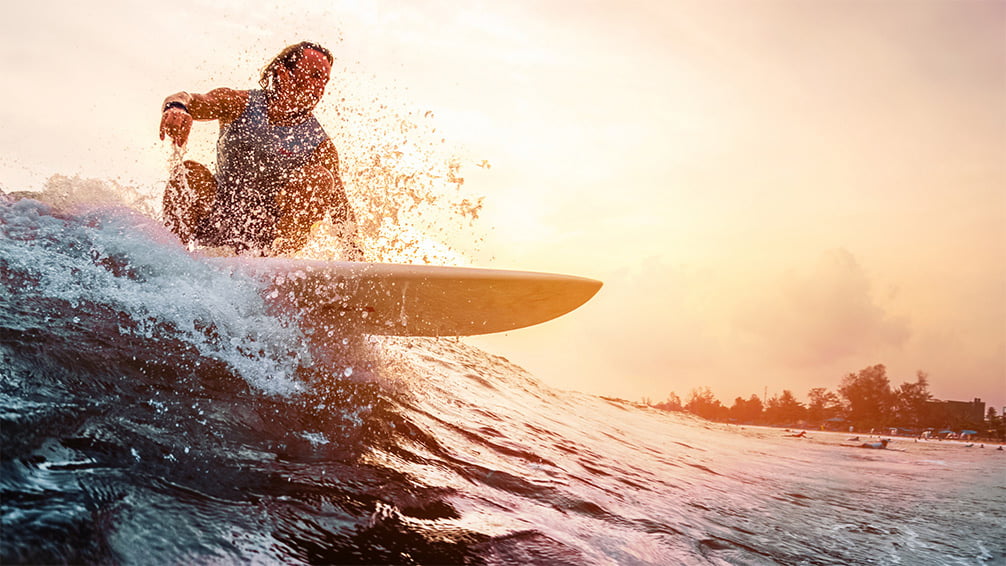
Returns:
(175, 104)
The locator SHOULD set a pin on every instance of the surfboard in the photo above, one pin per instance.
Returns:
(413, 300)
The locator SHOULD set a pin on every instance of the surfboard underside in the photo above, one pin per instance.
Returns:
(415, 300)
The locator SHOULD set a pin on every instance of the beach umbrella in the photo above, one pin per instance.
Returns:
(968, 432)
(946, 432)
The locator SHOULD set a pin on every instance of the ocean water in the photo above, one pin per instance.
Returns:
(154, 410)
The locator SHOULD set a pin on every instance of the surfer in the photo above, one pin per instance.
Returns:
(277, 171)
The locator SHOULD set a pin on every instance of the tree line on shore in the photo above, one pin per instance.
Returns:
(865, 400)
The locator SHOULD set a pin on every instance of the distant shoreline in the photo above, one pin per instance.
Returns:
(866, 437)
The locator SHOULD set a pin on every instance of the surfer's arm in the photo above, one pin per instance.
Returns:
(337, 202)
(180, 109)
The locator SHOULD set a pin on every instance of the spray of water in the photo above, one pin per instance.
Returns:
(406, 184)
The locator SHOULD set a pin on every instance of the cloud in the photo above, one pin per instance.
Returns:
(820, 316)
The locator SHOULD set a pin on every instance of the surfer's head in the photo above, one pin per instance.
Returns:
(300, 72)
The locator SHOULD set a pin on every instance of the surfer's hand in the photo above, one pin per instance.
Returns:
(176, 123)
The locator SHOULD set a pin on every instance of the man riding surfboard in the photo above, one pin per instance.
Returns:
(277, 171)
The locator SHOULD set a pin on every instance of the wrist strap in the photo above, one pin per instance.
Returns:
(175, 104)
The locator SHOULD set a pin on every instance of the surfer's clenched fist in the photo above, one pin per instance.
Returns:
(176, 121)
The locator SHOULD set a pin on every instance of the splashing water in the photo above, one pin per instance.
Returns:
(82, 261)
(405, 183)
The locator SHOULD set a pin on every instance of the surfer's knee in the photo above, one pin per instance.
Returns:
(303, 201)
(307, 192)
(188, 197)
(191, 181)
(311, 180)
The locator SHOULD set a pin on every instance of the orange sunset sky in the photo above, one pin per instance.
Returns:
(775, 192)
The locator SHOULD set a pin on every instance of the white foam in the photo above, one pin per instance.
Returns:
(98, 251)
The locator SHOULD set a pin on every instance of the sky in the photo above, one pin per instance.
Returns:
(776, 193)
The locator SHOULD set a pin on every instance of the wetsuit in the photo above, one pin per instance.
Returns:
(255, 160)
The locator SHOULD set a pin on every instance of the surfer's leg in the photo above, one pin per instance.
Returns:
(303, 201)
(188, 198)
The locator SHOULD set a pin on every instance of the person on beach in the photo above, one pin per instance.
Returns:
(876, 445)
(277, 171)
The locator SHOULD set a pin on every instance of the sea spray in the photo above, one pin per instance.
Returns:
(406, 184)
(119, 262)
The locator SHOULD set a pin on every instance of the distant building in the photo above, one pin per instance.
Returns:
(955, 414)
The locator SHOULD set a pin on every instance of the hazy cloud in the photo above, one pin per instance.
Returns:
(820, 315)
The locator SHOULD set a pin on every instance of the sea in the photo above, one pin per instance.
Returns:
(155, 410)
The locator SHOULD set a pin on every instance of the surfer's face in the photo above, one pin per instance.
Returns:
(304, 84)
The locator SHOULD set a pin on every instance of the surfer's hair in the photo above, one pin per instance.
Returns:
(288, 58)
